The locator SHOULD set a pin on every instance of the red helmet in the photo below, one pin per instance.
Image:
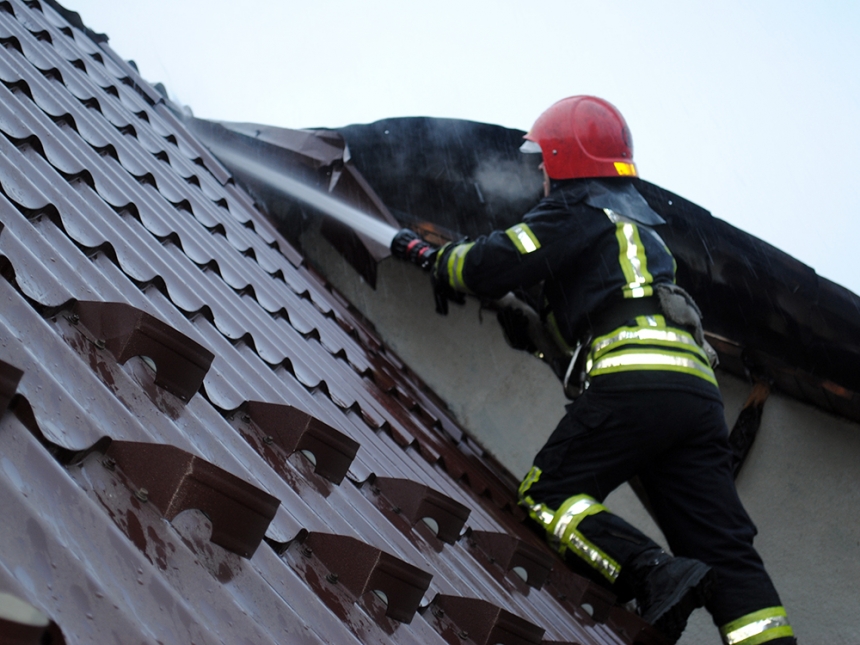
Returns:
(583, 136)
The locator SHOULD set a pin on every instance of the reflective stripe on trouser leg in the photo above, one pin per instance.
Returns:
(758, 627)
(561, 526)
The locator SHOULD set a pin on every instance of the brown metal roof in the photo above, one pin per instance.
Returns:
(163, 350)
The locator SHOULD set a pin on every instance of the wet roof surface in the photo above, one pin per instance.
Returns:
(199, 441)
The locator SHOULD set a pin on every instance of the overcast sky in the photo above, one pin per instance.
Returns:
(748, 108)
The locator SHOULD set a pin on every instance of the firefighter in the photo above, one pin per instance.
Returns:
(649, 407)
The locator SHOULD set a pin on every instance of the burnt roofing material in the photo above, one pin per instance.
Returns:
(200, 442)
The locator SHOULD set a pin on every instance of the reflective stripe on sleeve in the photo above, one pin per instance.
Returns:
(523, 238)
(756, 628)
(456, 261)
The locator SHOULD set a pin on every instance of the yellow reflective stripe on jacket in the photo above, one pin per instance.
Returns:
(631, 257)
(756, 628)
(651, 345)
(456, 261)
(651, 320)
(523, 238)
(673, 338)
(561, 526)
(650, 359)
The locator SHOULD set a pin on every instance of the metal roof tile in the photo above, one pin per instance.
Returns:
(195, 150)
(245, 273)
(174, 481)
(46, 58)
(152, 221)
(182, 554)
(96, 582)
(9, 378)
(361, 568)
(481, 622)
(23, 125)
(417, 502)
(35, 263)
(293, 430)
(510, 552)
(181, 363)
(266, 288)
(80, 39)
(365, 616)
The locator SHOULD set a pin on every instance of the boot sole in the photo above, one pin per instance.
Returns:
(692, 592)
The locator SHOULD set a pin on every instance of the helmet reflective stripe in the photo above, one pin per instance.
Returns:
(625, 169)
(759, 627)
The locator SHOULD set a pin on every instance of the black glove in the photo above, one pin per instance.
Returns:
(406, 245)
(442, 293)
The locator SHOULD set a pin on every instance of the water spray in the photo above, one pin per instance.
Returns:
(355, 219)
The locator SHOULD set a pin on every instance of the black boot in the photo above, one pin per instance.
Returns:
(668, 589)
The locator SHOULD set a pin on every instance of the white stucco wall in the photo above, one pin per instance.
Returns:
(508, 401)
(801, 482)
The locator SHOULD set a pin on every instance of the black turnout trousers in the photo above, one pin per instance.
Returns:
(676, 441)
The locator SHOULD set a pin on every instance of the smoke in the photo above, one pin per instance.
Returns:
(507, 184)
(463, 176)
